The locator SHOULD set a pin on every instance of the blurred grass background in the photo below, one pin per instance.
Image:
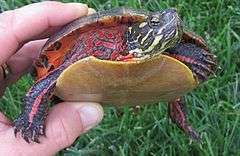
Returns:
(213, 108)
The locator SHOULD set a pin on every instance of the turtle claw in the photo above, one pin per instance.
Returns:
(209, 54)
(191, 133)
(30, 131)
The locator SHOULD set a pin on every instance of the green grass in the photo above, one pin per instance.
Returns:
(213, 108)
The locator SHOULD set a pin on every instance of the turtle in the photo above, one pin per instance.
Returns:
(121, 56)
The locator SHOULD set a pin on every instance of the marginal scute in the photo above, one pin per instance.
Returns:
(117, 83)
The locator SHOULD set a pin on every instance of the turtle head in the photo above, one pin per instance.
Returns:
(160, 31)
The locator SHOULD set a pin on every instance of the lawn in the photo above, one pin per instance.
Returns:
(213, 107)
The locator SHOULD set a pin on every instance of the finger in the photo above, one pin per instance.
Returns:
(65, 122)
(53, 30)
(28, 53)
(25, 56)
(68, 120)
(21, 25)
(21, 62)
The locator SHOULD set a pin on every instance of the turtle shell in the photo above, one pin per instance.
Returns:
(58, 45)
(160, 78)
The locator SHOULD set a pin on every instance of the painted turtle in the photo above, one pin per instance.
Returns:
(117, 56)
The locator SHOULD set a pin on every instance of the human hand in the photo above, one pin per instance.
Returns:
(22, 31)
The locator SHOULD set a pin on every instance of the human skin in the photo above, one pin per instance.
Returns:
(23, 32)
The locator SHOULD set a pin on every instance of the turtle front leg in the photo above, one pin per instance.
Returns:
(30, 124)
(176, 111)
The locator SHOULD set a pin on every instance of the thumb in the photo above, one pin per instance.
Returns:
(66, 121)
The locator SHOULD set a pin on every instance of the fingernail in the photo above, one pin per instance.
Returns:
(91, 115)
(91, 11)
(79, 5)
(81, 9)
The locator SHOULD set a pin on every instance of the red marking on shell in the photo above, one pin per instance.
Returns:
(41, 72)
(103, 42)
(109, 35)
(101, 34)
(55, 57)
(126, 58)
